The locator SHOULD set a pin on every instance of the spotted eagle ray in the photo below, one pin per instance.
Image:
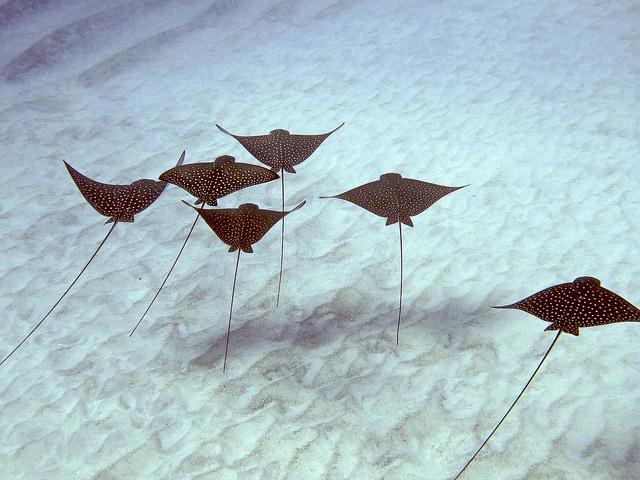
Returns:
(281, 151)
(209, 181)
(240, 228)
(118, 202)
(567, 307)
(397, 199)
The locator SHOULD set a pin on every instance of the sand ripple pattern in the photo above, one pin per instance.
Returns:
(533, 104)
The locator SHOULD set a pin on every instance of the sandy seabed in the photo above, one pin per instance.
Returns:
(534, 104)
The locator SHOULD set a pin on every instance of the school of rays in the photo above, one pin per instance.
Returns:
(567, 307)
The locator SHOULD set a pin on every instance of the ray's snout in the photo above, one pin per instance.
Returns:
(392, 178)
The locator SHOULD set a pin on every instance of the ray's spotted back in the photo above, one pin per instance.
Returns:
(579, 304)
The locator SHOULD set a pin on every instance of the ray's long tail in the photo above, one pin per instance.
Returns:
(168, 273)
(281, 240)
(511, 407)
(233, 293)
(400, 306)
(62, 296)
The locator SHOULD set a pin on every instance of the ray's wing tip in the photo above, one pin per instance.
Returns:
(181, 159)
(299, 206)
(223, 130)
(335, 129)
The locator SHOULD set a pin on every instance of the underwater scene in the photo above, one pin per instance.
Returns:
(319, 239)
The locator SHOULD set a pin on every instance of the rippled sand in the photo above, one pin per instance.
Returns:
(535, 106)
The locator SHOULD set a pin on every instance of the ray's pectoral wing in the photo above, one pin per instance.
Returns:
(557, 305)
(179, 176)
(195, 178)
(546, 304)
(242, 175)
(226, 223)
(259, 222)
(106, 199)
(142, 194)
(607, 307)
(262, 147)
(178, 164)
(372, 196)
(302, 147)
(416, 196)
(258, 225)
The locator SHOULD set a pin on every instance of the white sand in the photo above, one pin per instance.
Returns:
(535, 104)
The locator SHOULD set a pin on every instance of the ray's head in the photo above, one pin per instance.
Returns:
(224, 160)
(391, 178)
(248, 207)
(280, 134)
(584, 281)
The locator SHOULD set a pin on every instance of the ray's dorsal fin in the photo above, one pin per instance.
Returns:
(396, 199)
(568, 307)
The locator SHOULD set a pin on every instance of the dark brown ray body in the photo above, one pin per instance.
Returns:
(118, 202)
(209, 181)
(568, 307)
(281, 151)
(240, 228)
(397, 199)
(578, 304)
